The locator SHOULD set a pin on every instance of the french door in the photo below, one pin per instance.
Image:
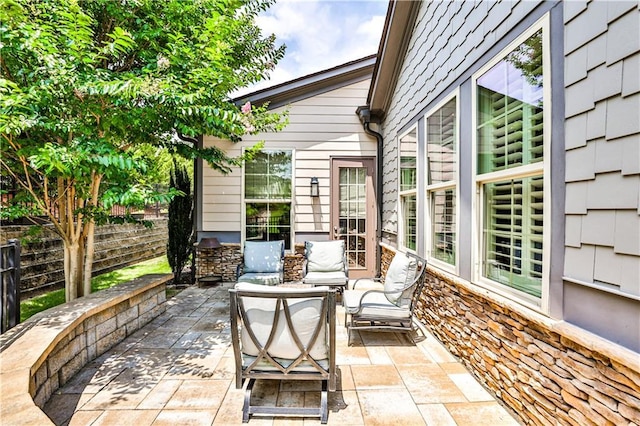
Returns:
(353, 212)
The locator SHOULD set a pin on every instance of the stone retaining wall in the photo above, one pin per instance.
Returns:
(117, 246)
(225, 260)
(548, 372)
(43, 353)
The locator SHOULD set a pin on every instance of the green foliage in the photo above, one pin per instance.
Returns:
(180, 224)
(30, 307)
(91, 91)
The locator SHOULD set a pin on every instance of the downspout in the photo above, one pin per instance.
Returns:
(365, 117)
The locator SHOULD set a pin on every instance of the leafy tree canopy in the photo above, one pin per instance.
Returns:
(84, 84)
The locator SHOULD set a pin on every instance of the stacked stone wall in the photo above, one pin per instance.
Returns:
(43, 353)
(548, 372)
(224, 261)
(116, 246)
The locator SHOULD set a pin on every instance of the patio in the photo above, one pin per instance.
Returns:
(179, 370)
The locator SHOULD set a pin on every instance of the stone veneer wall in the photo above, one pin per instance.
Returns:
(548, 372)
(225, 260)
(43, 353)
(117, 246)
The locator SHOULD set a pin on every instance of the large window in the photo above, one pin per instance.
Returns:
(442, 174)
(510, 173)
(267, 196)
(408, 184)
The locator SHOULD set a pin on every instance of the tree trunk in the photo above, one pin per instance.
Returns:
(72, 270)
(88, 260)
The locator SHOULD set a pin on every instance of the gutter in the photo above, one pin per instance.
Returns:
(364, 113)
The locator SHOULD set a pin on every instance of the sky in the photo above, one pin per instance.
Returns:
(320, 34)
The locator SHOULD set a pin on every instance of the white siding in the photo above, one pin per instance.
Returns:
(320, 127)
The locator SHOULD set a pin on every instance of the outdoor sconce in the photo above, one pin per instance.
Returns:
(315, 190)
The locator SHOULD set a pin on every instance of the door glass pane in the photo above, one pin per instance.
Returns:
(351, 208)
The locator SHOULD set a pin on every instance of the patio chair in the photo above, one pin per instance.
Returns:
(263, 263)
(325, 264)
(284, 334)
(387, 304)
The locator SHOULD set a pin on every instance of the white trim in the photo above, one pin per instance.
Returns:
(455, 183)
(542, 168)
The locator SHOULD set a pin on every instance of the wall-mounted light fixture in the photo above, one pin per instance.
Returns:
(315, 190)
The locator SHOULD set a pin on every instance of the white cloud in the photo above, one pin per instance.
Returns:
(321, 34)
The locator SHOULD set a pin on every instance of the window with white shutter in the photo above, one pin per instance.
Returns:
(510, 173)
(407, 189)
(442, 175)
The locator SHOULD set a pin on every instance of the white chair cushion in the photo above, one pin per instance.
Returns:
(400, 274)
(325, 256)
(325, 278)
(262, 256)
(305, 315)
(375, 305)
(266, 278)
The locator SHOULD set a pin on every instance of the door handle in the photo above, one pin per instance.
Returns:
(335, 232)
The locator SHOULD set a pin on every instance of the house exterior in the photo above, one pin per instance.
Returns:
(506, 143)
(270, 198)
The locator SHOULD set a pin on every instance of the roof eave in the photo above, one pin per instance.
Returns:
(401, 17)
(312, 84)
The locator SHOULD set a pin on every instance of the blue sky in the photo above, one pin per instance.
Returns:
(320, 34)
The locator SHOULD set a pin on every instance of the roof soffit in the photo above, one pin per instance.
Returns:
(398, 27)
(312, 84)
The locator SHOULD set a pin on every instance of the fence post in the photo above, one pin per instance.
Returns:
(10, 267)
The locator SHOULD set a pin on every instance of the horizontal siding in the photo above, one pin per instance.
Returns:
(320, 127)
(602, 58)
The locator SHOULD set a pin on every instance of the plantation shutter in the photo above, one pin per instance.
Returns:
(513, 233)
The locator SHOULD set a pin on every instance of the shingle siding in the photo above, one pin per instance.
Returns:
(448, 39)
(602, 142)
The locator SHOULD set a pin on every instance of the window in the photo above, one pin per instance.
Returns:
(408, 185)
(267, 196)
(510, 172)
(442, 175)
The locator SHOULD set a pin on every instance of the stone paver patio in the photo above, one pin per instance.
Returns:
(178, 370)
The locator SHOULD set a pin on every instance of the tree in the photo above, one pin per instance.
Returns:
(84, 83)
(180, 225)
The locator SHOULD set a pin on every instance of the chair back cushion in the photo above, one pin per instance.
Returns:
(325, 256)
(306, 316)
(400, 274)
(263, 256)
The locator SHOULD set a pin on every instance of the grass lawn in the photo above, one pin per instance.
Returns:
(159, 265)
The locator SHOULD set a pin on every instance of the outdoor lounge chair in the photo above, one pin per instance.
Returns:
(325, 264)
(284, 334)
(387, 304)
(263, 263)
